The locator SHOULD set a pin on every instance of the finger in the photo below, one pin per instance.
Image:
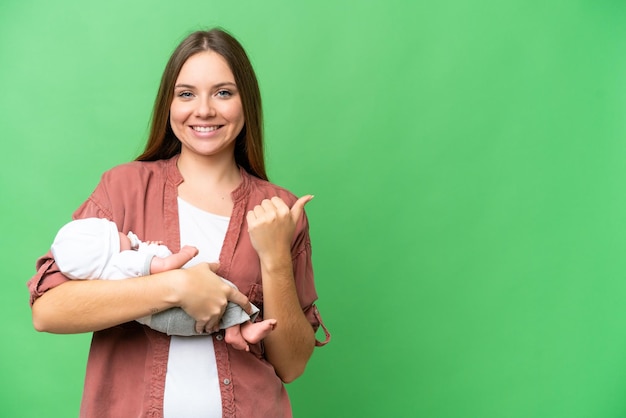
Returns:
(212, 329)
(251, 217)
(241, 300)
(213, 324)
(214, 267)
(259, 211)
(280, 205)
(298, 208)
(268, 207)
(200, 328)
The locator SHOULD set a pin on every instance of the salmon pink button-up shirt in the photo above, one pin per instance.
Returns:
(127, 363)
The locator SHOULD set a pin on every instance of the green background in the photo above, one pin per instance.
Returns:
(467, 159)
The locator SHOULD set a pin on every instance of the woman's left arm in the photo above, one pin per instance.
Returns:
(271, 226)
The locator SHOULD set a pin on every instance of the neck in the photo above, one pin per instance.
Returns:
(210, 172)
(208, 182)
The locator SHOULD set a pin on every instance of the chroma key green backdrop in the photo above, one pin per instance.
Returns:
(468, 161)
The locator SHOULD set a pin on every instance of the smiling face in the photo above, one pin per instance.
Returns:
(206, 113)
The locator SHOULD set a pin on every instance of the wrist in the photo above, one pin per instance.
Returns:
(277, 262)
(174, 285)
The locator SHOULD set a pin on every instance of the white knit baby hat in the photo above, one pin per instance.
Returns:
(82, 248)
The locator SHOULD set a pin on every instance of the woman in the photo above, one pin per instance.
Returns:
(200, 181)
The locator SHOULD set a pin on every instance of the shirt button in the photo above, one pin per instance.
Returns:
(227, 381)
(219, 337)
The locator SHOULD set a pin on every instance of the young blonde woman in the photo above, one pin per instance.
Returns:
(201, 181)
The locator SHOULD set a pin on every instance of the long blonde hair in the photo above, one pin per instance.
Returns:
(249, 152)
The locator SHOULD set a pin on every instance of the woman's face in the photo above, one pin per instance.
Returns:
(206, 114)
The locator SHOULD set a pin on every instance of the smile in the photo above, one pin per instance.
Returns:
(205, 128)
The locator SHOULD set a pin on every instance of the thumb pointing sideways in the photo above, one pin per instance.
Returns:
(298, 208)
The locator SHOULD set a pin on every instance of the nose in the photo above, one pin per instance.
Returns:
(205, 108)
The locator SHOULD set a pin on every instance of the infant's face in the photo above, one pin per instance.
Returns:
(124, 242)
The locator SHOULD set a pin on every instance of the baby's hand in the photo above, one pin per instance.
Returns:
(189, 250)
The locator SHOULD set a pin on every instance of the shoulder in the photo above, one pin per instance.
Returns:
(263, 189)
(127, 185)
(136, 169)
(139, 173)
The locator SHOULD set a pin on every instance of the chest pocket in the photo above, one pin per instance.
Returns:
(255, 295)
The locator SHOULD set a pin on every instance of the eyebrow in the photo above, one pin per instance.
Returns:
(218, 85)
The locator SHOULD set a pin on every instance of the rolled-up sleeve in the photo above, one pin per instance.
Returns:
(47, 277)
(48, 274)
(303, 276)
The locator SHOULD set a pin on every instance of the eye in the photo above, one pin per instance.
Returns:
(224, 94)
(185, 94)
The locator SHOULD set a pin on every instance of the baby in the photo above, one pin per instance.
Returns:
(93, 248)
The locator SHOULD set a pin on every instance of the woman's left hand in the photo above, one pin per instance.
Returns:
(271, 225)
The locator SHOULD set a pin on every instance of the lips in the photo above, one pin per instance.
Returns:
(205, 129)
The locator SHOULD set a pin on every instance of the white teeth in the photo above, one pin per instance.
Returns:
(204, 128)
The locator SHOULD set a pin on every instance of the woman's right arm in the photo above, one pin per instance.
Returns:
(60, 305)
(79, 306)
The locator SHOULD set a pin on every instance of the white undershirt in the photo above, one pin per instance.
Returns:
(191, 383)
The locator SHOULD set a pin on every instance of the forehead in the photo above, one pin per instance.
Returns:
(205, 67)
